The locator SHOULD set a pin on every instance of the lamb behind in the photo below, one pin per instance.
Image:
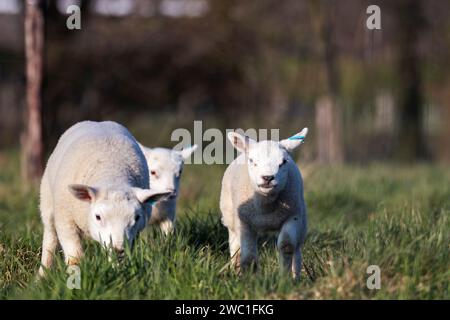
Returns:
(262, 191)
(165, 167)
(96, 184)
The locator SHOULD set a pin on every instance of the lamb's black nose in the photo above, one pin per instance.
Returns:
(268, 178)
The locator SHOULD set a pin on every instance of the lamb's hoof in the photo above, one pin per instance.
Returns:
(236, 262)
(72, 261)
(237, 268)
(40, 275)
(296, 277)
(250, 265)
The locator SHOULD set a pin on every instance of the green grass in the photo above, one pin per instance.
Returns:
(395, 217)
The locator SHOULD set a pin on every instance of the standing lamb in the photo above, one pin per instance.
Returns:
(262, 191)
(96, 184)
(165, 167)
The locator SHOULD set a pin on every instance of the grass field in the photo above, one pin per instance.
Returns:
(392, 216)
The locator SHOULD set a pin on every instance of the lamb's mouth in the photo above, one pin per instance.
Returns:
(266, 187)
(121, 256)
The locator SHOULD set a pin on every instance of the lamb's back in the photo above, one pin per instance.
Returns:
(93, 152)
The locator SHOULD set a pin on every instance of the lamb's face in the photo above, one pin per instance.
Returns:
(266, 162)
(117, 216)
(165, 167)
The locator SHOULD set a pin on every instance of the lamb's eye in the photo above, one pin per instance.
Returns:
(97, 217)
(153, 172)
(136, 218)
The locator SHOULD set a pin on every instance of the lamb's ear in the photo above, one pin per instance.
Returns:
(293, 142)
(83, 192)
(241, 143)
(186, 152)
(150, 196)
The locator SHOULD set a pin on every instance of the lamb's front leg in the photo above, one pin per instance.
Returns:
(297, 263)
(289, 246)
(249, 247)
(70, 242)
(234, 242)
(165, 212)
(167, 226)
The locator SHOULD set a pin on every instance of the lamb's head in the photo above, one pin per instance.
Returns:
(165, 167)
(116, 216)
(266, 160)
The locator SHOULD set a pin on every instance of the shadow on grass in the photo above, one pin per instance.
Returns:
(203, 229)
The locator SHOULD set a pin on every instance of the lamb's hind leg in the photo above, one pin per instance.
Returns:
(50, 239)
(49, 243)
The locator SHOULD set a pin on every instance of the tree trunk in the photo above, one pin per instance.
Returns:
(328, 112)
(31, 139)
(329, 143)
(410, 144)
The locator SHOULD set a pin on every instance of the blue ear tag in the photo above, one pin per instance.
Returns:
(297, 138)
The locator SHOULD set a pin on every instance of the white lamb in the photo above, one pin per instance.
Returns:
(262, 191)
(165, 167)
(96, 184)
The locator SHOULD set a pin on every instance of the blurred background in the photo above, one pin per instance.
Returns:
(156, 65)
(375, 163)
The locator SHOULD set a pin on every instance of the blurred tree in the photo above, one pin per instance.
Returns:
(410, 144)
(262, 63)
(31, 139)
(58, 52)
(328, 112)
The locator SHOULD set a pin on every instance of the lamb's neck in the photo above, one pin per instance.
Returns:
(105, 172)
(271, 202)
(268, 202)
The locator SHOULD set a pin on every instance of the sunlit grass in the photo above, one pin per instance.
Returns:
(391, 216)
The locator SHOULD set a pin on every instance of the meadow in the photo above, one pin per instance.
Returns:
(393, 216)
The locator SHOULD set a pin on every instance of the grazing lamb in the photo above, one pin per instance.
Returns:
(95, 184)
(262, 191)
(165, 167)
